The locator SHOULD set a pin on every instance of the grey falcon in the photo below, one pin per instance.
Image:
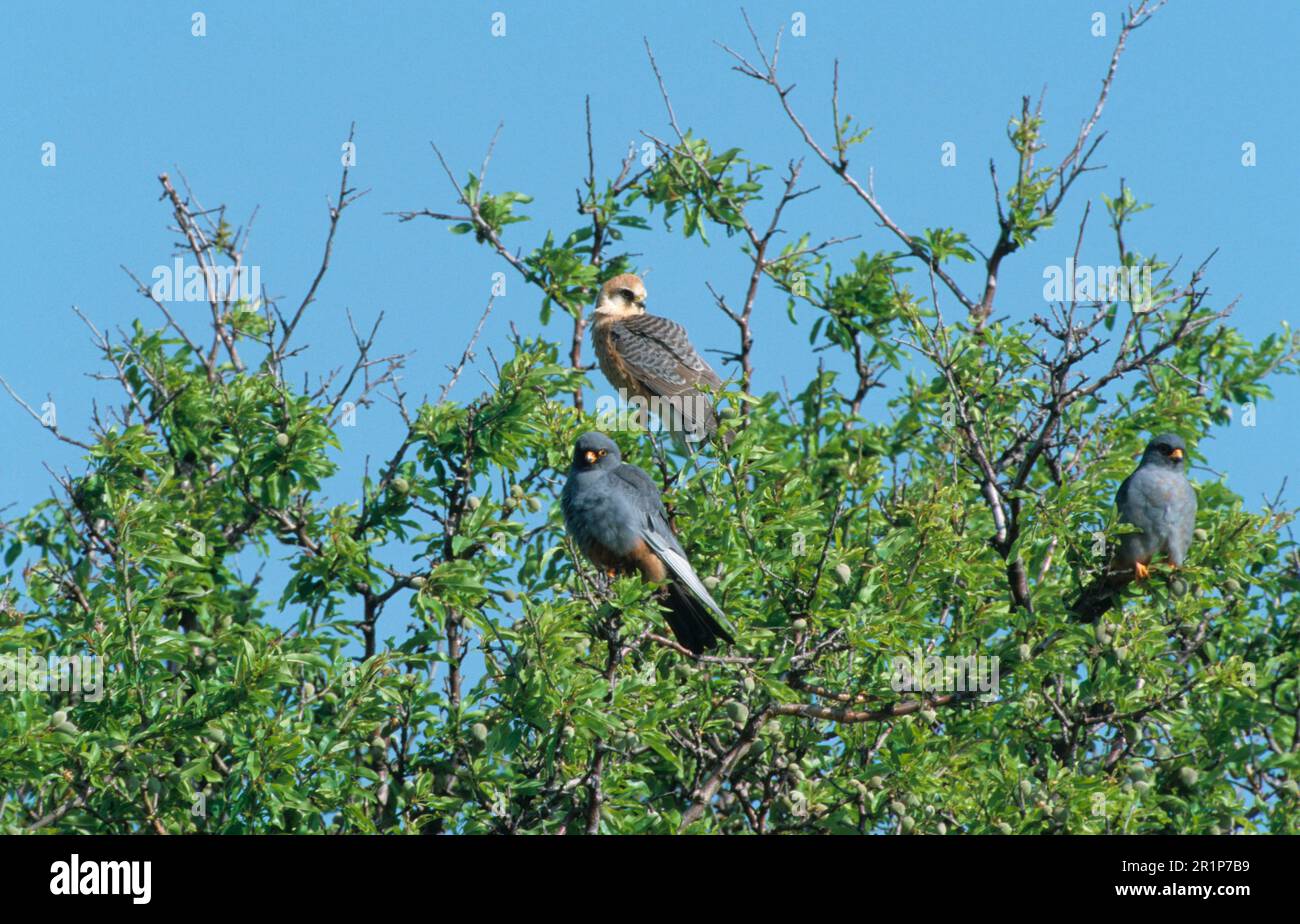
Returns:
(1159, 500)
(615, 515)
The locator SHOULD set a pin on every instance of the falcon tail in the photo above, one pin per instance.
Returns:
(692, 622)
(693, 615)
(1100, 596)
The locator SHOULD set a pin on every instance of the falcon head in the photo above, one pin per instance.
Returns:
(621, 296)
(1165, 451)
(595, 450)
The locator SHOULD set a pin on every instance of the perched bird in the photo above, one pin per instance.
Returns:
(614, 514)
(1159, 500)
(651, 358)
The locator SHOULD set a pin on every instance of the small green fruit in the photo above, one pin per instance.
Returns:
(1201, 535)
(941, 828)
(401, 485)
(800, 625)
(479, 731)
(711, 582)
(67, 728)
(282, 440)
(473, 501)
(534, 504)
(909, 824)
(1003, 827)
(844, 573)
(418, 581)
(738, 712)
(1100, 631)
(748, 684)
(1188, 776)
(1023, 652)
(1232, 586)
(897, 807)
(876, 782)
(510, 596)
(1142, 787)
(1026, 788)
(59, 717)
(516, 491)
(929, 715)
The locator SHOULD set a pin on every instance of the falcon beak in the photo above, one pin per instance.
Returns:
(589, 456)
(1176, 454)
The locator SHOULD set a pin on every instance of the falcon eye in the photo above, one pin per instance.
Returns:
(601, 453)
(626, 293)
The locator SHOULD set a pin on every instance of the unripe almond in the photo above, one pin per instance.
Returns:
(282, 440)
(844, 573)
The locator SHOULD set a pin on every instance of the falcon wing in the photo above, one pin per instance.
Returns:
(659, 536)
(659, 354)
(660, 351)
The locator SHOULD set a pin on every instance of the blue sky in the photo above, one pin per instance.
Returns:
(254, 114)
